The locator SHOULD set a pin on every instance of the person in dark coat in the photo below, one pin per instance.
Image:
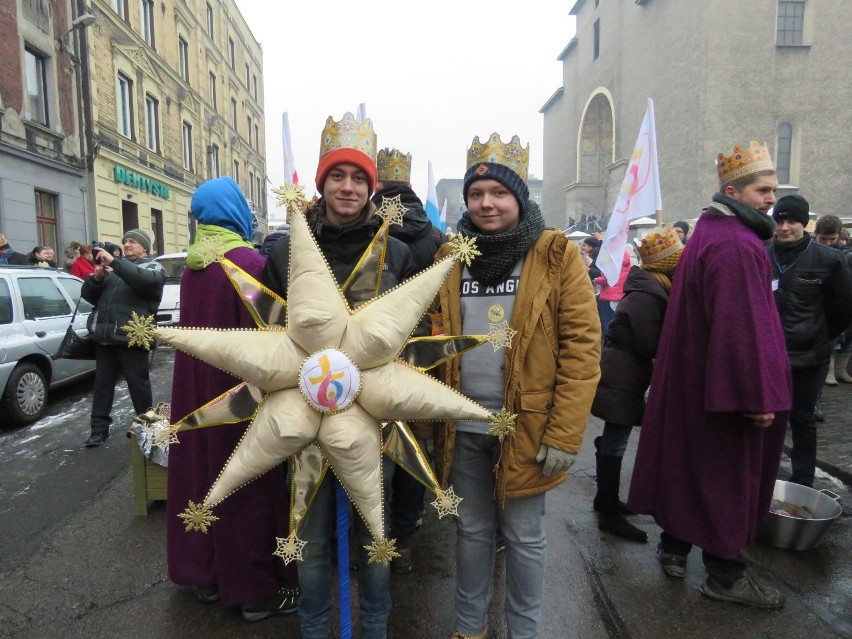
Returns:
(627, 359)
(233, 562)
(813, 291)
(344, 223)
(8, 255)
(714, 425)
(118, 288)
(423, 240)
(682, 229)
(280, 233)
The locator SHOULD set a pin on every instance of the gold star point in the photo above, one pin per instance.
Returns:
(289, 548)
(447, 502)
(209, 249)
(198, 517)
(502, 424)
(381, 551)
(501, 335)
(291, 196)
(392, 210)
(464, 249)
(141, 330)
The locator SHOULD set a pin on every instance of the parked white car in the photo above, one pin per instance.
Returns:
(169, 311)
(35, 309)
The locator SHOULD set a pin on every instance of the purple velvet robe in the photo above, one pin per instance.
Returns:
(704, 471)
(235, 555)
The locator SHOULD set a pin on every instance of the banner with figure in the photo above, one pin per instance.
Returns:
(639, 197)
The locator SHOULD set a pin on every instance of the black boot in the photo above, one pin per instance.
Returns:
(610, 518)
(622, 507)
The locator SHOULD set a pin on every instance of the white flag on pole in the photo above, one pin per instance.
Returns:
(432, 211)
(443, 217)
(289, 161)
(361, 114)
(639, 197)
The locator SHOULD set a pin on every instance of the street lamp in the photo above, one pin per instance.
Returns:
(80, 22)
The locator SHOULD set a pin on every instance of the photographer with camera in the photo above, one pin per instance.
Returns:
(119, 287)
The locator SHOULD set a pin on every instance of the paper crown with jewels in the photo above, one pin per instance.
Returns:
(394, 166)
(743, 162)
(347, 142)
(658, 246)
(495, 151)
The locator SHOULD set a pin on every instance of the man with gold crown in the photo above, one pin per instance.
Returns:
(529, 285)
(423, 240)
(714, 425)
(344, 223)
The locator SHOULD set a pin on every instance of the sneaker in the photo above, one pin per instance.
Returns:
(283, 602)
(747, 590)
(207, 595)
(673, 565)
(481, 635)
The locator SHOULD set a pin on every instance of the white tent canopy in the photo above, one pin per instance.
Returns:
(577, 235)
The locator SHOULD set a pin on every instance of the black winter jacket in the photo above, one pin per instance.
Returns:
(420, 236)
(629, 350)
(133, 285)
(342, 247)
(813, 296)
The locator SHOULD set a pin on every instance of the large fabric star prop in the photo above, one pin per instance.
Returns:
(331, 378)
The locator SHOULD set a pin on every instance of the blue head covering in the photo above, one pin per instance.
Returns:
(220, 202)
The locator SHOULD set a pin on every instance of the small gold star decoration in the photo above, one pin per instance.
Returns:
(500, 335)
(141, 330)
(392, 210)
(502, 424)
(381, 551)
(464, 249)
(198, 517)
(447, 502)
(291, 197)
(209, 249)
(290, 548)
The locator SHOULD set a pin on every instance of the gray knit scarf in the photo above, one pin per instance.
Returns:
(501, 251)
(762, 224)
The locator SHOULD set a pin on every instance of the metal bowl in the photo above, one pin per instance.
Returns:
(797, 533)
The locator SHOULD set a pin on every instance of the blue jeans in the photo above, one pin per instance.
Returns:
(520, 521)
(315, 572)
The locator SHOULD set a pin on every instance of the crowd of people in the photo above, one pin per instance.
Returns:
(715, 342)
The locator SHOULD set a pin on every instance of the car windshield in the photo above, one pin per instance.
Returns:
(174, 268)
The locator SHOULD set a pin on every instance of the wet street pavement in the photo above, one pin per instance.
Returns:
(76, 562)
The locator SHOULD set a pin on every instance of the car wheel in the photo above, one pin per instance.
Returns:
(25, 396)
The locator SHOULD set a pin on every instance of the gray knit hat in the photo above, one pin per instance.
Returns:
(142, 236)
(502, 174)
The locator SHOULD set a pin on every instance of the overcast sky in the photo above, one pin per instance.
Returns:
(432, 75)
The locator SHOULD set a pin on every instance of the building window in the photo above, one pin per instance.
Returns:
(213, 90)
(214, 161)
(209, 20)
(46, 218)
(187, 146)
(146, 13)
(784, 152)
(248, 72)
(256, 137)
(254, 86)
(37, 86)
(152, 123)
(124, 106)
(248, 129)
(596, 138)
(259, 193)
(251, 186)
(120, 8)
(231, 57)
(597, 27)
(235, 171)
(183, 59)
(234, 113)
(791, 18)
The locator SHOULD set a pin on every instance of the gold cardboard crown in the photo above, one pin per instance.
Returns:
(658, 246)
(394, 166)
(493, 150)
(349, 134)
(743, 162)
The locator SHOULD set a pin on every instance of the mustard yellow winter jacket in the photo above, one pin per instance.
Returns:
(551, 371)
